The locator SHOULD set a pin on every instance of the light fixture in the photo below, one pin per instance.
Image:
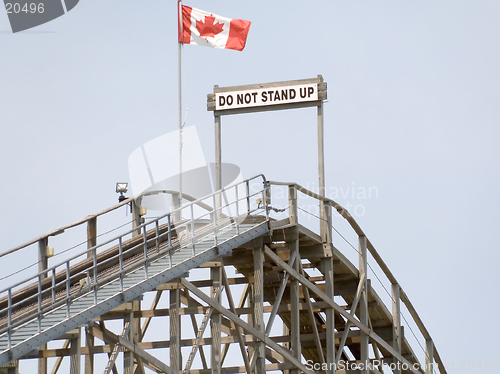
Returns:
(121, 188)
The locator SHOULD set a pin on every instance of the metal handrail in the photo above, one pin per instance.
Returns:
(129, 200)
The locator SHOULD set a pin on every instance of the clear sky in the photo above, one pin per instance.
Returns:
(413, 113)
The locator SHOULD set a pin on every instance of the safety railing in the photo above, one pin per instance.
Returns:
(60, 286)
(324, 208)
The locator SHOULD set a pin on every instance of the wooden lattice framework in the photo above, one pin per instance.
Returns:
(289, 280)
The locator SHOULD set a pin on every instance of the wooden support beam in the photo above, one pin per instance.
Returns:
(89, 338)
(112, 346)
(242, 369)
(43, 263)
(58, 362)
(136, 218)
(327, 264)
(76, 354)
(89, 359)
(175, 331)
(277, 301)
(347, 326)
(396, 321)
(138, 367)
(233, 317)
(128, 356)
(193, 303)
(108, 336)
(363, 303)
(199, 336)
(215, 321)
(241, 342)
(154, 304)
(429, 354)
(312, 318)
(91, 235)
(306, 340)
(294, 304)
(192, 310)
(258, 294)
(116, 349)
(292, 203)
(312, 287)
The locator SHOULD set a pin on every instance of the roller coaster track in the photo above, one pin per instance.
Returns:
(295, 281)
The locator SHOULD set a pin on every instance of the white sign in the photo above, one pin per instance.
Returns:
(266, 96)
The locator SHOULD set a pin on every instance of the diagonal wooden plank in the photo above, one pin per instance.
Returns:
(312, 317)
(353, 311)
(154, 304)
(199, 335)
(116, 350)
(237, 328)
(58, 363)
(109, 336)
(259, 335)
(337, 308)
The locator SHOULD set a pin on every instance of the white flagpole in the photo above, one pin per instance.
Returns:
(180, 99)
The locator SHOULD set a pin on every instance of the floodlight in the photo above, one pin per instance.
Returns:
(121, 187)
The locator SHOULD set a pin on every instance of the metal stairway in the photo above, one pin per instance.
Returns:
(72, 294)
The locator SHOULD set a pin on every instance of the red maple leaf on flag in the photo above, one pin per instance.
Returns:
(208, 27)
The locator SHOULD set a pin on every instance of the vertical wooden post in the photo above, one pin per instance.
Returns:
(258, 291)
(251, 319)
(295, 302)
(89, 359)
(89, 338)
(75, 351)
(396, 321)
(136, 218)
(294, 284)
(128, 356)
(175, 330)
(215, 321)
(176, 203)
(137, 330)
(429, 356)
(292, 202)
(43, 263)
(329, 273)
(91, 234)
(136, 307)
(330, 315)
(363, 303)
(286, 332)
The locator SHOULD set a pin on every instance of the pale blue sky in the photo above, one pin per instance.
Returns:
(413, 91)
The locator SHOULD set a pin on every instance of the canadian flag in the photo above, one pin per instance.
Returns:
(203, 28)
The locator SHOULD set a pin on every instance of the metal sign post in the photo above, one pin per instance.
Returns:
(266, 97)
